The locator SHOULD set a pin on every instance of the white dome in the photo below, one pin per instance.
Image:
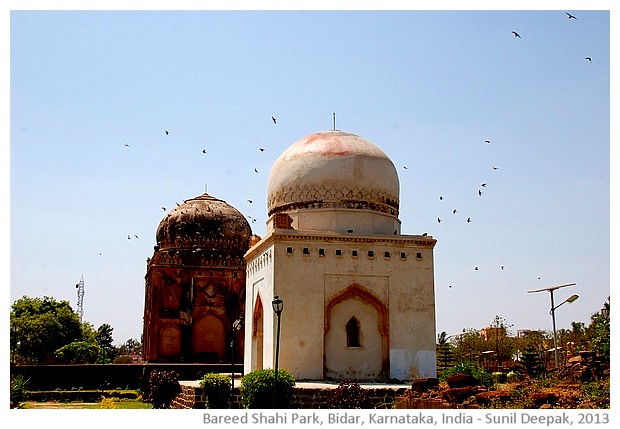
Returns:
(333, 171)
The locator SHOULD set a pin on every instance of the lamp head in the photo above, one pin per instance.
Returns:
(572, 298)
(277, 305)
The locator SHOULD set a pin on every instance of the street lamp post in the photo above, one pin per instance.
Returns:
(235, 327)
(278, 306)
(554, 307)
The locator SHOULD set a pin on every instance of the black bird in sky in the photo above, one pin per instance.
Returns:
(516, 34)
(250, 201)
(125, 144)
(494, 168)
(438, 220)
(136, 236)
(479, 192)
(440, 197)
(570, 16)
(262, 149)
(129, 237)
(274, 120)
(204, 151)
(163, 208)
(255, 170)
(468, 220)
(487, 141)
(589, 59)
(502, 267)
(476, 268)
(454, 211)
(405, 167)
(167, 132)
(483, 185)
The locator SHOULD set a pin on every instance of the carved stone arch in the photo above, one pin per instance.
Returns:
(369, 358)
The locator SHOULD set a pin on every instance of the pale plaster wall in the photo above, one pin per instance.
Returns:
(307, 282)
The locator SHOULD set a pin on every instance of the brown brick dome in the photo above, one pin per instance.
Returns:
(207, 225)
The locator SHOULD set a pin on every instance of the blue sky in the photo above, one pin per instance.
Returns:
(428, 87)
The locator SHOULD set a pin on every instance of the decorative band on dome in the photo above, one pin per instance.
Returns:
(310, 197)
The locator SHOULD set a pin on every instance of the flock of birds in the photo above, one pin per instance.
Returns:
(441, 198)
(204, 151)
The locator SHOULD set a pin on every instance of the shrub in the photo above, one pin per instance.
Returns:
(349, 396)
(468, 368)
(512, 376)
(498, 377)
(19, 385)
(108, 403)
(216, 390)
(163, 387)
(123, 359)
(257, 389)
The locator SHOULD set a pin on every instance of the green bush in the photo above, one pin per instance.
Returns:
(257, 389)
(164, 387)
(512, 376)
(216, 390)
(349, 396)
(19, 385)
(468, 368)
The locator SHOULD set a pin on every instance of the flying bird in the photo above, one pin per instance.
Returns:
(129, 237)
(494, 168)
(136, 236)
(502, 267)
(125, 144)
(274, 120)
(479, 192)
(483, 185)
(570, 16)
(440, 197)
(405, 167)
(163, 208)
(204, 151)
(167, 132)
(476, 269)
(438, 220)
(589, 59)
(250, 201)
(468, 220)
(454, 211)
(516, 34)
(255, 170)
(487, 141)
(262, 149)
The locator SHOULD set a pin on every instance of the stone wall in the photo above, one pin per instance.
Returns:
(303, 397)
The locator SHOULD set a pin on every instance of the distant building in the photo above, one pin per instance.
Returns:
(195, 283)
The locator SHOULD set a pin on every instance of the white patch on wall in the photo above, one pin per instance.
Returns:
(426, 363)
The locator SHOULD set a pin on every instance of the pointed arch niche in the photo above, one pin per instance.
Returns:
(356, 336)
(210, 337)
(257, 334)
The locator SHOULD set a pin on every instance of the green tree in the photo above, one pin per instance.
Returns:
(499, 340)
(40, 326)
(469, 346)
(79, 352)
(598, 332)
(104, 339)
(445, 353)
